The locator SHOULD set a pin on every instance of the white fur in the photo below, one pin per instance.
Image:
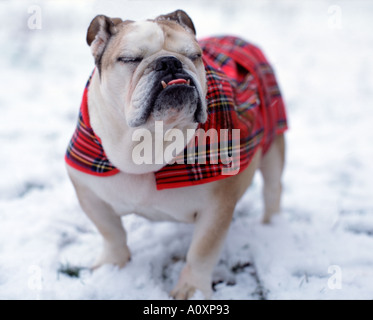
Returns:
(129, 193)
(145, 36)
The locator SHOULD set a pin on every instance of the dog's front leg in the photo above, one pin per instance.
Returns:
(210, 231)
(212, 225)
(109, 224)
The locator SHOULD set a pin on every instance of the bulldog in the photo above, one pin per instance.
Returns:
(153, 84)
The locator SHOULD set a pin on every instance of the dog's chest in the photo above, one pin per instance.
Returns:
(138, 194)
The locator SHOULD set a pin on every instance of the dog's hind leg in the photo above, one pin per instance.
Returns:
(271, 167)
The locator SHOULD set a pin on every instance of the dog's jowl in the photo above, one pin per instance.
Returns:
(202, 115)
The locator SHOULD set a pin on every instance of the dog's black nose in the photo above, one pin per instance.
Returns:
(169, 65)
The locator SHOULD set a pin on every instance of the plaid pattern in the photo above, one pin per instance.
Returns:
(85, 152)
(242, 95)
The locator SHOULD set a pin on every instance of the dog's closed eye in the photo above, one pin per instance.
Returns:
(130, 59)
(195, 57)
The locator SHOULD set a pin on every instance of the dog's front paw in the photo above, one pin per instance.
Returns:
(189, 283)
(116, 255)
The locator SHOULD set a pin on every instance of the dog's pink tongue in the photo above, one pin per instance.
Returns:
(177, 81)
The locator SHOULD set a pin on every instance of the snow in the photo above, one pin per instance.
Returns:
(319, 247)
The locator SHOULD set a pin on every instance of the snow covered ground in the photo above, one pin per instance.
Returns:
(320, 247)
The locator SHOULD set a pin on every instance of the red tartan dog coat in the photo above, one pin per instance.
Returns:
(242, 94)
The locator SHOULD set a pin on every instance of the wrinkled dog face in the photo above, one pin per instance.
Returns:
(150, 70)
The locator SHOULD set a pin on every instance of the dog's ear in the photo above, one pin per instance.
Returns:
(181, 18)
(99, 32)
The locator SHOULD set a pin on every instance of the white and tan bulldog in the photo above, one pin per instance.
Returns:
(146, 73)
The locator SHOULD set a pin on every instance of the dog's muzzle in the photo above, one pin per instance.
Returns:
(173, 90)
